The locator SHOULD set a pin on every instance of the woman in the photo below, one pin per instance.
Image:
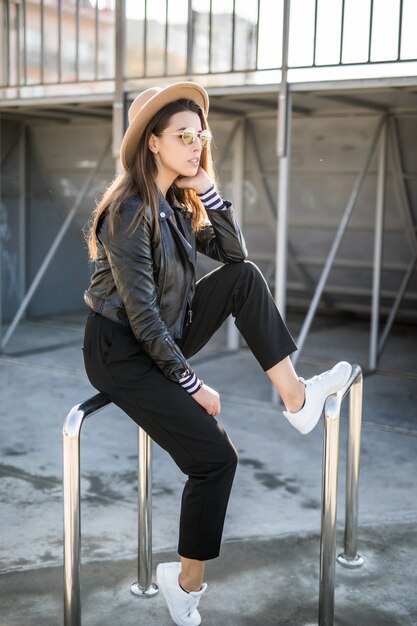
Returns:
(148, 316)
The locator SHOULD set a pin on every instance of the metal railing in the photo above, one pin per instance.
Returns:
(172, 38)
(55, 42)
(144, 587)
(349, 558)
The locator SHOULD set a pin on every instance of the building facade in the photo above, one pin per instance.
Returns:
(346, 207)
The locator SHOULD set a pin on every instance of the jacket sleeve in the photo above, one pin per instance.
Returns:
(131, 262)
(222, 238)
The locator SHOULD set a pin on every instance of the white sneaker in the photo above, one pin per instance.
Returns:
(182, 605)
(317, 389)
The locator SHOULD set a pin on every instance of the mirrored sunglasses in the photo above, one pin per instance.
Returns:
(189, 135)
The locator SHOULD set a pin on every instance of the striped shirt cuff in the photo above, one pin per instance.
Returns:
(212, 201)
(191, 383)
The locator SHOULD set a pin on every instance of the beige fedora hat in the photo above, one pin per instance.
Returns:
(149, 102)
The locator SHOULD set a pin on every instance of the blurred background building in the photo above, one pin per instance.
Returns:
(337, 164)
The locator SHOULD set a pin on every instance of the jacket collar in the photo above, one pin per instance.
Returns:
(165, 210)
(166, 213)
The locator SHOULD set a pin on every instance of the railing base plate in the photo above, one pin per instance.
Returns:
(350, 563)
(142, 592)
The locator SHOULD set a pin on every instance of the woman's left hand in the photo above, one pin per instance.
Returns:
(200, 182)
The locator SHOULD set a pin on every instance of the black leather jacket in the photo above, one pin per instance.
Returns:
(151, 287)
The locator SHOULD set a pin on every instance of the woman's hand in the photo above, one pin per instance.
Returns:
(209, 399)
(200, 182)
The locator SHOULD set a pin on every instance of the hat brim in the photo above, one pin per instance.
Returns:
(188, 90)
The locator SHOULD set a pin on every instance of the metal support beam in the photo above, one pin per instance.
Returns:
(378, 248)
(282, 222)
(5, 40)
(335, 245)
(54, 247)
(190, 38)
(119, 98)
(283, 151)
(238, 181)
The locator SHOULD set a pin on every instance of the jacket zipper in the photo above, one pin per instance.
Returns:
(176, 350)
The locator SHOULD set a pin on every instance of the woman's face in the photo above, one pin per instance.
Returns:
(173, 156)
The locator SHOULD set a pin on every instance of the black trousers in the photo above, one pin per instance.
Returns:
(117, 366)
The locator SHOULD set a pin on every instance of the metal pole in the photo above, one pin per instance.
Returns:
(18, 47)
(190, 38)
(42, 50)
(329, 494)
(6, 44)
(282, 229)
(119, 100)
(283, 151)
(329, 508)
(144, 587)
(350, 558)
(72, 528)
(53, 248)
(335, 245)
(378, 249)
(71, 486)
(238, 178)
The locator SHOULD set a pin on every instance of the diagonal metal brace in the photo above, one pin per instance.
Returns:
(54, 247)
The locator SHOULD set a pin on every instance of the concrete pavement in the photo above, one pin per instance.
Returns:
(268, 569)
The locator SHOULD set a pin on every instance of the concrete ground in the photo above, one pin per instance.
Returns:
(269, 566)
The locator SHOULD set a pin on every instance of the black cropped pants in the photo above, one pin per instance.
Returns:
(117, 366)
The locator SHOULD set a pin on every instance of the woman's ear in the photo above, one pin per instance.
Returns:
(153, 144)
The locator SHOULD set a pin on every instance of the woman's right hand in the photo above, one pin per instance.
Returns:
(209, 399)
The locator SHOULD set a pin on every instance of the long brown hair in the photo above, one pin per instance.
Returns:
(139, 179)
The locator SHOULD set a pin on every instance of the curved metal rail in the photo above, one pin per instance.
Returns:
(349, 558)
(144, 586)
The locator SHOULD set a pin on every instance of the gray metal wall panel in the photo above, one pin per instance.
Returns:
(10, 218)
(327, 154)
(61, 157)
(60, 290)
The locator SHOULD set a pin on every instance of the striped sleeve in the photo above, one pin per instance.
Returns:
(212, 201)
(191, 383)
